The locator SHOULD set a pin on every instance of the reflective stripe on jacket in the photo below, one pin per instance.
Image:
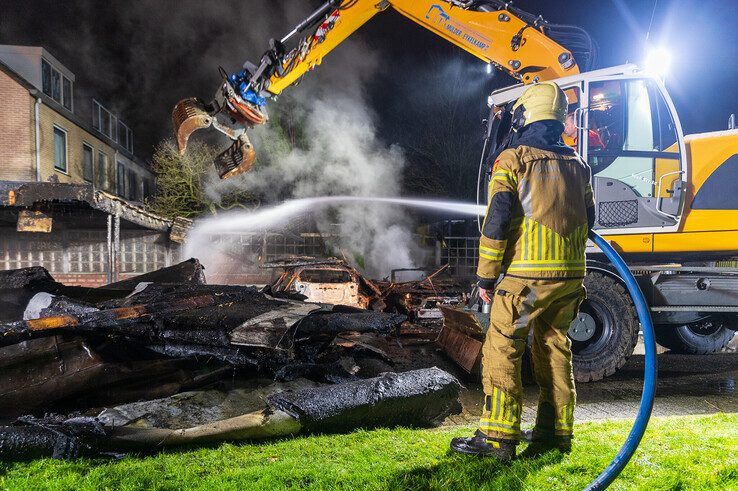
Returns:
(536, 224)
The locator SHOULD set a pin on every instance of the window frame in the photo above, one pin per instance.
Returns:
(680, 156)
(64, 170)
(132, 188)
(97, 110)
(145, 188)
(104, 175)
(62, 100)
(120, 179)
(70, 107)
(128, 145)
(44, 62)
(92, 162)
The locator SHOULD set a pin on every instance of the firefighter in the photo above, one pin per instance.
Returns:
(535, 231)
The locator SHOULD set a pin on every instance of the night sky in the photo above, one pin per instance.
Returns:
(141, 57)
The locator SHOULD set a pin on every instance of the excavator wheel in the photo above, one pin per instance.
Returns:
(698, 338)
(604, 334)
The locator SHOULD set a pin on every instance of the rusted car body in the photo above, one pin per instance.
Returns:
(334, 281)
(326, 281)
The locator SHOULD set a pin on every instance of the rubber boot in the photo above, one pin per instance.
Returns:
(541, 442)
(482, 446)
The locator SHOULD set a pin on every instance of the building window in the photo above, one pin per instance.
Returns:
(67, 93)
(87, 163)
(60, 149)
(132, 186)
(120, 181)
(104, 121)
(55, 85)
(125, 136)
(146, 188)
(46, 77)
(102, 170)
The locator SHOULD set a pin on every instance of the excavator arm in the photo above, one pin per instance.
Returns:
(495, 32)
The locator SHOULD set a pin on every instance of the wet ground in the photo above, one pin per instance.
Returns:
(686, 385)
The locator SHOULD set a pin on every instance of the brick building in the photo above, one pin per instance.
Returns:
(71, 187)
(50, 134)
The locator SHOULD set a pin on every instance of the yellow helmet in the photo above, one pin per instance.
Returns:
(539, 102)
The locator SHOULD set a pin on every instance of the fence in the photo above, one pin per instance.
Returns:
(461, 254)
(80, 257)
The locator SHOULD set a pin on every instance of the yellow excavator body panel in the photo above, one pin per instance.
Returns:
(701, 230)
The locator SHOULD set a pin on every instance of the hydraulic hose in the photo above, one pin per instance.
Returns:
(612, 471)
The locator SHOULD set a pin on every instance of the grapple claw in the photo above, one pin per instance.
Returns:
(188, 116)
(232, 114)
(236, 159)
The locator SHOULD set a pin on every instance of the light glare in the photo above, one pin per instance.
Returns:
(658, 61)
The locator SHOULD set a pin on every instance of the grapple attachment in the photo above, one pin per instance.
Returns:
(188, 116)
(236, 159)
(228, 113)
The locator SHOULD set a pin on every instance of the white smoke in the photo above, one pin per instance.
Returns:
(341, 155)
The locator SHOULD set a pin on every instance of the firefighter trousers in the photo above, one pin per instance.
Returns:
(547, 307)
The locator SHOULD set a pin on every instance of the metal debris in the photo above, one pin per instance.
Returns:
(71, 349)
(332, 280)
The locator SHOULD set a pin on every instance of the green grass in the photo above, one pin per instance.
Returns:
(696, 452)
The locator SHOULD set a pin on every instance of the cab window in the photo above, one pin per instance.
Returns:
(635, 129)
(633, 151)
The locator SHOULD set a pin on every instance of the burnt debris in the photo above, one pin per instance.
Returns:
(420, 398)
(69, 349)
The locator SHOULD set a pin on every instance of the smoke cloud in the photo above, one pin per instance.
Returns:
(342, 155)
(340, 151)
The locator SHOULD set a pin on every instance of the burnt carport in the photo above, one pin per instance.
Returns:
(83, 236)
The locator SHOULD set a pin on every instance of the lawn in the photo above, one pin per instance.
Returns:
(695, 452)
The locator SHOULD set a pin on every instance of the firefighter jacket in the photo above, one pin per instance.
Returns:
(539, 214)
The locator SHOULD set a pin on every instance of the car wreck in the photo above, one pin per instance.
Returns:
(334, 281)
(95, 357)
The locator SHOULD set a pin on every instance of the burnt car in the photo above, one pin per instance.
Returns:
(330, 281)
(421, 299)
(334, 281)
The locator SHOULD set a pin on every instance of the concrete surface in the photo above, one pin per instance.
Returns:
(686, 385)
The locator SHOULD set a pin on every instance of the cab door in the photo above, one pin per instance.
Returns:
(630, 135)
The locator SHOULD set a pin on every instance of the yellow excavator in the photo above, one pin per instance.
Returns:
(667, 202)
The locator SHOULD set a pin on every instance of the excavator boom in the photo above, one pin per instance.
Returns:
(505, 37)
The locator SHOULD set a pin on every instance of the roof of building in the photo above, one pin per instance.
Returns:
(32, 194)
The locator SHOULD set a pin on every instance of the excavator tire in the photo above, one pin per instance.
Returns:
(699, 338)
(607, 329)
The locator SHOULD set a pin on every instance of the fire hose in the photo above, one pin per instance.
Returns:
(620, 460)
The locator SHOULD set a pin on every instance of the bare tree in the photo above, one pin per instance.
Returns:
(439, 126)
(182, 183)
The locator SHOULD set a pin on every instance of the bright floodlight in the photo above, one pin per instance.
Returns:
(658, 61)
(489, 68)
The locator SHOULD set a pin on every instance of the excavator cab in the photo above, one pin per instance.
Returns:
(623, 123)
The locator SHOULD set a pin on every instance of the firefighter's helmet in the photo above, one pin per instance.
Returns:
(539, 102)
